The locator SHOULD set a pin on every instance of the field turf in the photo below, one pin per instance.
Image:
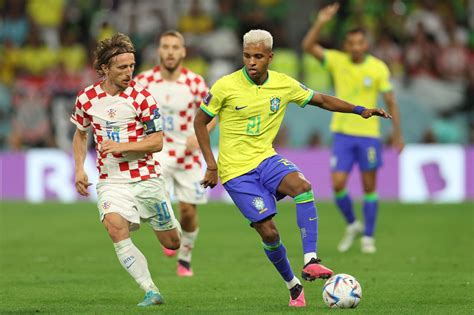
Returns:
(57, 258)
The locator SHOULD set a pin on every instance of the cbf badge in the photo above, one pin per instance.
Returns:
(259, 204)
(274, 104)
(367, 82)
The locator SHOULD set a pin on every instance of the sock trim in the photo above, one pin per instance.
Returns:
(272, 246)
(341, 194)
(373, 196)
(304, 197)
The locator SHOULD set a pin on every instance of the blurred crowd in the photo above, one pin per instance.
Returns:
(46, 54)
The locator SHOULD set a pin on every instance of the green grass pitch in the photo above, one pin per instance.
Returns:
(57, 258)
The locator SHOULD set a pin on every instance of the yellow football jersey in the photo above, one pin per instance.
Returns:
(359, 84)
(250, 116)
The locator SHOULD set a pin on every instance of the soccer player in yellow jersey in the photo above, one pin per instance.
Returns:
(358, 77)
(251, 103)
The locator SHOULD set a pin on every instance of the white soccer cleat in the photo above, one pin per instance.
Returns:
(352, 231)
(367, 245)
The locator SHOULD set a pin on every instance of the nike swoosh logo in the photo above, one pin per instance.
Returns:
(240, 107)
(312, 219)
(131, 264)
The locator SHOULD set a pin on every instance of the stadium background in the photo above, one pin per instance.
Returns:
(46, 49)
(46, 260)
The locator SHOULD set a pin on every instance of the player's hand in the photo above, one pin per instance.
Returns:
(327, 13)
(192, 143)
(109, 146)
(210, 178)
(367, 113)
(82, 182)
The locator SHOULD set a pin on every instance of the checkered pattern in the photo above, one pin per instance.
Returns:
(121, 119)
(178, 103)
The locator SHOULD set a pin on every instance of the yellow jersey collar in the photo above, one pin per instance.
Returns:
(246, 75)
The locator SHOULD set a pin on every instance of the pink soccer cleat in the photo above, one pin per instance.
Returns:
(184, 271)
(169, 252)
(298, 293)
(314, 270)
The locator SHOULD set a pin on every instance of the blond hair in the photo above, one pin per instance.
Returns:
(259, 36)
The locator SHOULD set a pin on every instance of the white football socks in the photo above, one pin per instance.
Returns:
(135, 263)
(290, 284)
(308, 256)
(187, 244)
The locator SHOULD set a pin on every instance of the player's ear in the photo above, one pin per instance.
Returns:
(184, 52)
(270, 56)
(105, 68)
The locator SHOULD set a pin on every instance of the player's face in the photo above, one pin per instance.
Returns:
(171, 52)
(120, 70)
(356, 44)
(257, 58)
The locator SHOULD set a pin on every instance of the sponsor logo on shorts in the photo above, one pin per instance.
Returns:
(259, 204)
(106, 205)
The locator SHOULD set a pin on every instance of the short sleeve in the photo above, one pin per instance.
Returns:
(212, 102)
(79, 116)
(384, 81)
(300, 94)
(201, 89)
(148, 110)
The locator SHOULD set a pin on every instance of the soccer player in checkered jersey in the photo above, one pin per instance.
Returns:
(127, 129)
(179, 92)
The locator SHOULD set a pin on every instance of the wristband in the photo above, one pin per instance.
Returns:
(212, 169)
(358, 110)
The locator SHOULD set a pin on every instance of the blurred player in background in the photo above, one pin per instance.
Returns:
(251, 104)
(127, 129)
(358, 77)
(179, 92)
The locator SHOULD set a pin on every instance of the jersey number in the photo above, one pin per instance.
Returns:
(168, 124)
(162, 212)
(113, 135)
(253, 126)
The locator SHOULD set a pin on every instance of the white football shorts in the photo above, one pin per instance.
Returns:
(142, 201)
(186, 184)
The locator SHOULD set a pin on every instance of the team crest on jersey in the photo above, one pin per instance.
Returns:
(111, 112)
(207, 98)
(367, 81)
(274, 104)
(259, 204)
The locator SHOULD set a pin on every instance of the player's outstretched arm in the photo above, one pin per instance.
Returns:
(152, 143)
(79, 149)
(335, 104)
(310, 41)
(202, 134)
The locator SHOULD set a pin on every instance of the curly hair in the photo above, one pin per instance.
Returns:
(109, 48)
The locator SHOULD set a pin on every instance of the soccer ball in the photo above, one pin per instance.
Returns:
(342, 291)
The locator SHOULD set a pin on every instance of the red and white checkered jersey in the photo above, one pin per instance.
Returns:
(178, 102)
(120, 118)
